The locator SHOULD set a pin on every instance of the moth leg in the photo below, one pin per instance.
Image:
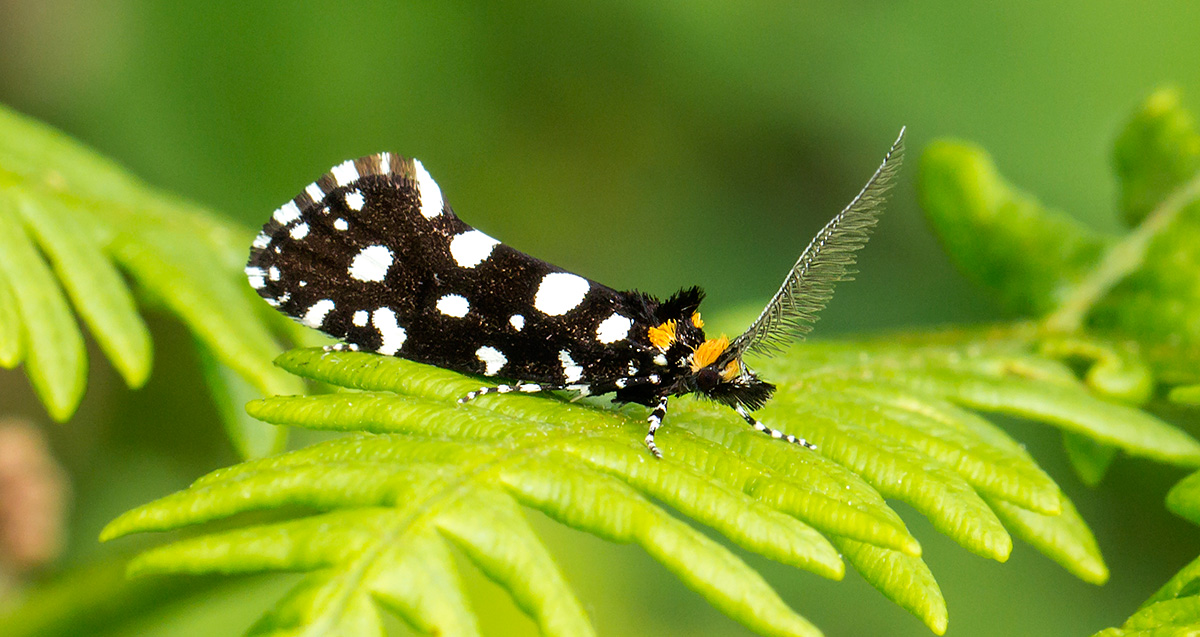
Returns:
(655, 419)
(774, 433)
(524, 388)
(582, 390)
(341, 347)
(606, 386)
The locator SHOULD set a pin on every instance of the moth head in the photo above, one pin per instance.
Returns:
(712, 367)
(718, 372)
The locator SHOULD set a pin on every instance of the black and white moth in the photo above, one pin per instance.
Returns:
(372, 254)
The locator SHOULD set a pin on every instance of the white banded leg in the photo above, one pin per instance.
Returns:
(525, 388)
(341, 347)
(605, 386)
(774, 433)
(655, 419)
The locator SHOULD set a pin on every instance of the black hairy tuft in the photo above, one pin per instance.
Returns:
(680, 305)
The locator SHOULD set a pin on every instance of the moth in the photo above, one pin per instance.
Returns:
(372, 254)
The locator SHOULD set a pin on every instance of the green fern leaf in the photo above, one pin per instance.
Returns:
(51, 343)
(11, 342)
(1158, 150)
(1000, 236)
(1172, 618)
(1141, 285)
(250, 438)
(893, 418)
(75, 224)
(1173, 610)
(1184, 498)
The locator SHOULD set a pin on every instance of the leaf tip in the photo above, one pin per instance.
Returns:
(115, 529)
(136, 365)
(910, 546)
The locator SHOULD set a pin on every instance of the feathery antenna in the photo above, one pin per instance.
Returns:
(829, 258)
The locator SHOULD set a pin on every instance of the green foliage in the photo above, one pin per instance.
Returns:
(372, 517)
(1140, 285)
(1158, 150)
(375, 517)
(1002, 237)
(91, 599)
(1173, 610)
(75, 227)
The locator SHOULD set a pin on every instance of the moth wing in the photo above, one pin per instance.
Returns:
(372, 254)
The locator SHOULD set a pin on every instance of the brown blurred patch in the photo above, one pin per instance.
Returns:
(34, 494)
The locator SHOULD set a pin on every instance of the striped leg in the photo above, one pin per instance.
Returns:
(341, 347)
(601, 387)
(582, 389)
(526, 388)
(774, 433)
(655, 420)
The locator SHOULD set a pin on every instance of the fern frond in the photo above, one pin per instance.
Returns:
(893, 418)
(1175, 608)
(75, 225)
(1140, 285)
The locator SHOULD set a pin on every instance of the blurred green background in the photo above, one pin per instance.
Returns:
(644, 144)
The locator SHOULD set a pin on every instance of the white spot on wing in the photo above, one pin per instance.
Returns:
(660, 360)
(300, 231)
(371, 263)
(262, 240)
(345, 173)
(315, 193)
(287, 213)
(385, 163)
(258, 278)
(517, 322)
(453, 305)
(390, 332)
(360, 318)
(613, 329)
(316, 313)
(355, 200)
(491, 358)
(471, 248)
(560, 292)
(431, 194)
(273, 273)
(340, 224)
(571, 371)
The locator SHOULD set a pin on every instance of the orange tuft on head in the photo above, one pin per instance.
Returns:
(697, 321)
(709, 351)
(663, 336)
